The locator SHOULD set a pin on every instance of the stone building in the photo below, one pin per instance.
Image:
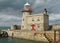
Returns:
(34, 21)
(15, 27)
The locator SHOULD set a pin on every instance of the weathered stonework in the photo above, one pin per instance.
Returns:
(31, 35)
(34, 35)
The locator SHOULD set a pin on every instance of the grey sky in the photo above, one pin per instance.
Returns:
(10, 10)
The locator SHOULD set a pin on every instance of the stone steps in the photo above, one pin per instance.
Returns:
(48, 36)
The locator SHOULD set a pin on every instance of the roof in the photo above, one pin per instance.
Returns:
(27, 4)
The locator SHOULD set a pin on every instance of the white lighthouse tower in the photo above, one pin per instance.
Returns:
(26, 11)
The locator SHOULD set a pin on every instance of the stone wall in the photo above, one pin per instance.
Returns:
(34, 35)
(31, 35)
(56, 27)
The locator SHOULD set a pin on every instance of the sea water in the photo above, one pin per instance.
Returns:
(15, 40)
(4, 28)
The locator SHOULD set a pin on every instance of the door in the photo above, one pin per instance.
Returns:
(33, 26)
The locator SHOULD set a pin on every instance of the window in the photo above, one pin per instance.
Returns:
(38, 19)
(32, 19)
(22, 26)
(38, 26)
(23, 19)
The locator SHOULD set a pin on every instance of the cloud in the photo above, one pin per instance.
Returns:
(15, 4)
(54, 18)
(10, 10)
(9, 16)
(52, 6)
(7, 20)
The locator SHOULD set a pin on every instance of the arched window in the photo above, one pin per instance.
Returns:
(38, 26)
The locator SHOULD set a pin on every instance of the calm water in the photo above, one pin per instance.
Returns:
(4, 28)
(14, 40)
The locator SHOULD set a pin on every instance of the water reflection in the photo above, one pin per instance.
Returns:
(14, 40)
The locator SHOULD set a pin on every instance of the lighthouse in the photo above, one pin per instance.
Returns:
(36, 22)
(26, 10)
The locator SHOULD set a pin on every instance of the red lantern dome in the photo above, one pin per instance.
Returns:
(27, 10)
(30, 9)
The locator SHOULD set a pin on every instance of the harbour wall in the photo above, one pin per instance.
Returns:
(33, 35)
